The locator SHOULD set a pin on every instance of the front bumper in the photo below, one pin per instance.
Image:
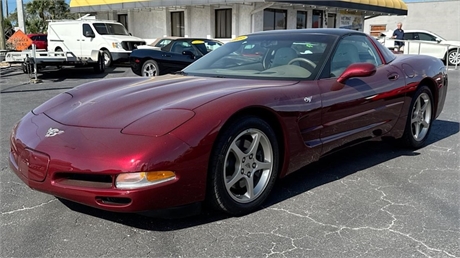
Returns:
(120, 56)
(81, 165)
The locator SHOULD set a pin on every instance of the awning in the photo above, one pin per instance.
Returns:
(379, 6)
(80, 6)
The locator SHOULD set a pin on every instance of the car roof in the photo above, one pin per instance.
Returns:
(329, 31)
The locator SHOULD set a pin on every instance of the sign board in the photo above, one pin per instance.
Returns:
(20, 41)
(351, 20)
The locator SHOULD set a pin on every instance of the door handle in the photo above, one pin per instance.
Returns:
(166, 55)
(393, 77)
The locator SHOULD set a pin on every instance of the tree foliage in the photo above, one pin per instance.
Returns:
(38, 12)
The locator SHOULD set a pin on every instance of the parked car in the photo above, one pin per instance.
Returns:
(39, 39)
(421, 42)
(158, 43)
(173, 57)
(227, 127)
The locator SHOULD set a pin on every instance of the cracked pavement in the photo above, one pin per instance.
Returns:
(373, 200)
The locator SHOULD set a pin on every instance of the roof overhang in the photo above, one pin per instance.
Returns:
(379, 6)
(397, 7)
(80, 6)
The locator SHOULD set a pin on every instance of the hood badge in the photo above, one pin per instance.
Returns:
(53, 132)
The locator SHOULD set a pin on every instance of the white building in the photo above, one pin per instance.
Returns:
(226, 19)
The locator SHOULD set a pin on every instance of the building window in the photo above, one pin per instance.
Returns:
(177, 24)
(301, 20)
(123, 19)
(224, 23)
(317, 20)
(376, 30)
(275, 19)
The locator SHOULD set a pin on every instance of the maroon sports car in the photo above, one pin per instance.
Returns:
(229, 125)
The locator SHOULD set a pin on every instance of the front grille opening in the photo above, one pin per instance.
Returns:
(84, 180)
(117, 201)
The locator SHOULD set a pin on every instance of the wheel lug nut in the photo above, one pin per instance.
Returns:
(244, 160)
(250, 156)
(254, 165)
(242, 171)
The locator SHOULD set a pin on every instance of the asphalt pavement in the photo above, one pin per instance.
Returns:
(373, 200)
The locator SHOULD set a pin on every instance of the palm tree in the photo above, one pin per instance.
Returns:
(38, 12)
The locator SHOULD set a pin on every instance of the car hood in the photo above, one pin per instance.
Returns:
(451, 42)
(117, 102)
(117, 38)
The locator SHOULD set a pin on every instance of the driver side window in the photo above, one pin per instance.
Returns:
(350, 50)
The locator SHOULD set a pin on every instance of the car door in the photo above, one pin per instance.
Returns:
(86, 40)
(173, 60)
(422, 43)
(362, 107)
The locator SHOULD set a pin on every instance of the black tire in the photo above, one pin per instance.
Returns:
(453, 58)
(233, 166)
(150, 68)
(99, 67)
(58, 49)
(419, 119)
(107, 57)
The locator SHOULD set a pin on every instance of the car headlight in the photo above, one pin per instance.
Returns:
(143, 179)
(117, 45)
(159, 123)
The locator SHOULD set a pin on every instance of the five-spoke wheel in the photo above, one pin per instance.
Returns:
(244, 166)
(419, 119)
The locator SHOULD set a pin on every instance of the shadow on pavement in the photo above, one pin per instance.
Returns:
(330, 168)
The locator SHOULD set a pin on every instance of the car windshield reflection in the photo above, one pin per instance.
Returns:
(262, 56)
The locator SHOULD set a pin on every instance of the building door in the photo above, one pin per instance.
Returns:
(317, 19)
(177, 24)
(331, 20)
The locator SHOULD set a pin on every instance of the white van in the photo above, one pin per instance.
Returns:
(84, 35)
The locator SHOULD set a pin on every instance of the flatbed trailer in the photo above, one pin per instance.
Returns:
(33, 60)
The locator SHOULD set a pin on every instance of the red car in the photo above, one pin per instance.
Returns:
(40, 40)
(226, 127)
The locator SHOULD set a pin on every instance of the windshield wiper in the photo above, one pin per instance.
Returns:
(180, 73)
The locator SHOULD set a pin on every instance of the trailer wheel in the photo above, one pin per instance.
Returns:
(99, 67)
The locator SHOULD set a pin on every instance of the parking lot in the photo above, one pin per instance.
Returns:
(373, 200)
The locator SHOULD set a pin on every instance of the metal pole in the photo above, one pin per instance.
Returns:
(21, 23)
(2, 30)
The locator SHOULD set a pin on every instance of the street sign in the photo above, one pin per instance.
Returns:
(20, 41)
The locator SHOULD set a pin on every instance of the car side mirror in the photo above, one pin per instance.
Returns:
(357, 70)
(438, 40)
(89, 34)
(188, 53)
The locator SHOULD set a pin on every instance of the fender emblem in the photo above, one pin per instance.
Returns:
(308, 99)
(53, 132)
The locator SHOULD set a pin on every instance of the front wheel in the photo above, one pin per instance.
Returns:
(453, 57)
(107, 57)
(419, 119)
(150, 69)
(244, 166)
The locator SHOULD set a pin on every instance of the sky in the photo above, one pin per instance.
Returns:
(12, 5)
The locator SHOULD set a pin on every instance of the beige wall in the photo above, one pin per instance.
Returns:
(442, 18)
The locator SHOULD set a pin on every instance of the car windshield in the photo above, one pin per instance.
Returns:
(110, 29)
(266, 56)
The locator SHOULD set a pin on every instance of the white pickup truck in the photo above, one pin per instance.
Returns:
(426, 43)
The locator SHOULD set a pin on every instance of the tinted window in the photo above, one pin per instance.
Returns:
(408, 36)
(87, 31)
(386, 53)
(110, 29)
(426, 37)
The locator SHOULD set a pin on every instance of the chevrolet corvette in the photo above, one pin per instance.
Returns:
(224, 129)
(173, 57)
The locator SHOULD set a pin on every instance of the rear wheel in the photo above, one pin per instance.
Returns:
(99, 67)
(453, 57)
(244, 166)
(150, 69)
(419, 119)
